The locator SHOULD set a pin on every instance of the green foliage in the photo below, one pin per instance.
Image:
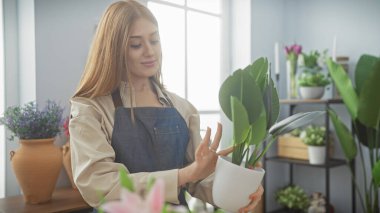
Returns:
(296, 132)
(363, 104)
(125, 180)
(29, 122)
(311, 60)
(314, 135)
(313, 79)
(293, 197)
(249, 99)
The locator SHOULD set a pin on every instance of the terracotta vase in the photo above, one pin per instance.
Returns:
(37, 164)
(67, 162)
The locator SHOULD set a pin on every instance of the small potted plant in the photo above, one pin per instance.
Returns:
(311, 80)
(293, 198)
(38, 161)
(314, 138)
(249, 99)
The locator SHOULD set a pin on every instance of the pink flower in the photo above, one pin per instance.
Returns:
(66, 126)
(133, 203)
(294, 49)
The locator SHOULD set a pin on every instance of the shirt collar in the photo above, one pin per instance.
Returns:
(161, 95)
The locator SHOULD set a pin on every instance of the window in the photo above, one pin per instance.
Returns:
(191, 39)
(2, 98)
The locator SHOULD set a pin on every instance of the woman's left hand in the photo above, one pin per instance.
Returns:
(255, 199)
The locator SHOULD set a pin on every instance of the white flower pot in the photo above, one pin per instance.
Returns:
(312, 92)
(233, 184)
(317, 154)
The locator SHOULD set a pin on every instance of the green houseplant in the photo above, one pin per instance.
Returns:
(293, 198)
(249, 99)
(28, 122)
(37, 162)
(314, 137)
(363, 105)
(311, 80)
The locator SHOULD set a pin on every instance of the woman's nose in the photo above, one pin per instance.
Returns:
(148, 49)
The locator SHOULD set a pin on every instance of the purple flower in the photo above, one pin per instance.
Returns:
(28, 122)
(294, 49)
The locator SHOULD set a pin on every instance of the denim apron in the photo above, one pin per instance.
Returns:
(156, 141)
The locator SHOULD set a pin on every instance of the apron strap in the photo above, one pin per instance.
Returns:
(116, 98)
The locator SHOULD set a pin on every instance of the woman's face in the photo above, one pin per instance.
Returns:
(144, 50)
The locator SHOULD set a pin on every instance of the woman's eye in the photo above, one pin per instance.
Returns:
(155, 42)
(135, 46)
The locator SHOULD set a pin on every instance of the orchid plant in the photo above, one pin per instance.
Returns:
(249, 99)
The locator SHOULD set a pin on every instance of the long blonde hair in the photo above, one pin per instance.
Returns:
(107, 59)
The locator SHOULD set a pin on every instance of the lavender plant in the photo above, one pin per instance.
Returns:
(28, 122)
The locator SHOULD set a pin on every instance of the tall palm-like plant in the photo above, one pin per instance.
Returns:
(249, 99)
(363, 105)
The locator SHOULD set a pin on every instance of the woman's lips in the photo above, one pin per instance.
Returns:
(149, 63)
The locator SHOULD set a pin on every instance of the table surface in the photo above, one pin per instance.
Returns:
(63, 200)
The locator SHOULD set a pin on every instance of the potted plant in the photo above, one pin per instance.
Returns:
(293, 198)
(311, 80)
(37, 162)
(314, 138)
(363, 105)
(249, 99)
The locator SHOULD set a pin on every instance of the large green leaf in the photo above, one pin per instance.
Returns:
(369, 99)
(271, 103)
(125, 180)
(363, 70)
(346, 139)
(242, 86)
(239, 120)
(259, 71)
(344, 86)
(293, 122)
(259, 129)
(376, 174)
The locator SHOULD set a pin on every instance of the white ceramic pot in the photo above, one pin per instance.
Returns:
(233, 184)
(312, 92)
(317, 154)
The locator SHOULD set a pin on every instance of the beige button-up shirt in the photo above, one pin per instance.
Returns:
(92, 156)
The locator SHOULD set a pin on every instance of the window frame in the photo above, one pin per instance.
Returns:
(224, 45)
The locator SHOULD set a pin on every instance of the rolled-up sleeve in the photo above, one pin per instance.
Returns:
(94, 171)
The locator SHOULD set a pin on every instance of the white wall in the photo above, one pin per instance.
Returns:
(313, 24)
(46, 44)
(11, 82)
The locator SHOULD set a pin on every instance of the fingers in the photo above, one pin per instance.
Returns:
(255, 199)
(225, 152)
(259, 164)
(204, 144)
(259, 192)
(218, 135)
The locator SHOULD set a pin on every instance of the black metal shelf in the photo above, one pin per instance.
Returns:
(310, 101)
(332, 162)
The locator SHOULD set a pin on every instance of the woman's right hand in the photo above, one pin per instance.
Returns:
(205, 158)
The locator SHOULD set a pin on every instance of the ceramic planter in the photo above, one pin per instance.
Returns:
(312, 92)
(233, 184)
(37, 164)
(317, 154)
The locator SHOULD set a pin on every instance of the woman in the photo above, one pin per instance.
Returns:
(122, 117)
